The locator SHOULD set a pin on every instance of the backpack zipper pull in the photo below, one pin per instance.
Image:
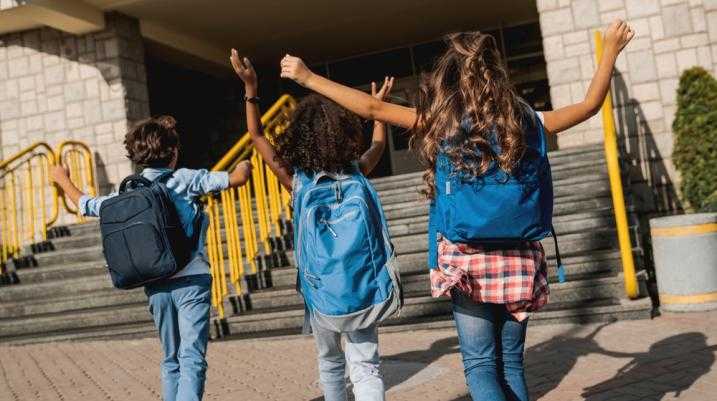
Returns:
(337, 191)
(328, 226)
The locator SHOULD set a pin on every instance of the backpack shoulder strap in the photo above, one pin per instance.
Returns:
(432, 238)
(558, 260)
(164, 177)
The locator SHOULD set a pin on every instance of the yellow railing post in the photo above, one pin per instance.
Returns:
(261, 196)
(618, 198)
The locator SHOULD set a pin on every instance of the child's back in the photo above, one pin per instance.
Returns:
(341, 242)
(179, 304)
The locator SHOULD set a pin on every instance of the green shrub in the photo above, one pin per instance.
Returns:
(710, 204)
(695, 128)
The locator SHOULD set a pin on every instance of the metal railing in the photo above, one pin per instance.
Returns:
(30, 203)
(249, 227)
(76, 156)
(618, 197)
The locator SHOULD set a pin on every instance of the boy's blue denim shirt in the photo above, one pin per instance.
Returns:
(185, 187)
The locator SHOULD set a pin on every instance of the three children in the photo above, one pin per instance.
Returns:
(469, 123)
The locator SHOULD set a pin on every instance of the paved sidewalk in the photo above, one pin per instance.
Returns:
(670, 357)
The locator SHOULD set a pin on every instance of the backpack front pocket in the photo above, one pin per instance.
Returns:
(126, 247)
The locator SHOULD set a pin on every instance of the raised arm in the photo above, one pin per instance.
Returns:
(372, 155)
(355, 100)
(246, 72)
(617, 36)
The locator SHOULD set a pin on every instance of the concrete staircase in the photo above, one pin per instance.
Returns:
(69, 295)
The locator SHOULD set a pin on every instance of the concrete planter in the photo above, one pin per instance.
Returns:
(685, 251)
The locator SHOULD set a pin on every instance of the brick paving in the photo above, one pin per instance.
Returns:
(670, 357)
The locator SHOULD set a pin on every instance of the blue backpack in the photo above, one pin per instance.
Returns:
(495, 207)
(347, 267)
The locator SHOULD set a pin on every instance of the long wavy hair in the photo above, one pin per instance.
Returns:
(322, 136)
(468, 84)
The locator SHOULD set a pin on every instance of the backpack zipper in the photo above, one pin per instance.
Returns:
(328, 225)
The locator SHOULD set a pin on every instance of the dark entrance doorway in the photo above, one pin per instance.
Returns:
(209, 117)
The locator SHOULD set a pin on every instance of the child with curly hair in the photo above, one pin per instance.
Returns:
(324, 137)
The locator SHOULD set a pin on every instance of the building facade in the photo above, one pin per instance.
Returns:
(87, 70)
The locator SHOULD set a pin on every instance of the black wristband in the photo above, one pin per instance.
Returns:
(254, 99)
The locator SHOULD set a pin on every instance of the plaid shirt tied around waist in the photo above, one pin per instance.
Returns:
(515, 276)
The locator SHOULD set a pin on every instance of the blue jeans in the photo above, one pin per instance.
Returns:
(180, 308)
(492, 344)
(364, 364)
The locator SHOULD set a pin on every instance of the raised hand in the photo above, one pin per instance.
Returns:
(244, 69)
(618, 35)
(294, 68)
(58, 174)
(385, 88)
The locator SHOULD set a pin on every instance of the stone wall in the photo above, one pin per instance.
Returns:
(56, 86)
(672, 35)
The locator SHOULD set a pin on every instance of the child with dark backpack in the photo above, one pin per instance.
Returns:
(488, 179)
(156, 217)
(346, 264)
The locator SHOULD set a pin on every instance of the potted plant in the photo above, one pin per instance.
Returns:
(685, 246)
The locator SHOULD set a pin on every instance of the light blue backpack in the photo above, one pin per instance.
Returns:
(347, 270)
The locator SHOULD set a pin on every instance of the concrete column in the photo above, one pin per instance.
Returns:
(55, 86)
(672, 35)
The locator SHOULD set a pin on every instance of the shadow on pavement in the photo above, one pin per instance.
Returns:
(671, 365)
(689, 358)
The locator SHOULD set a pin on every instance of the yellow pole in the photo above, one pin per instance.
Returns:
(240, 258)
(13, 209)
(229, 230)
(43, 181)
(4, 237)
(618, 199)
(31, 199)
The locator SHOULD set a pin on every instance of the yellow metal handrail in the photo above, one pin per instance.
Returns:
(263, 207)
(77, 158)
(26, 211)
(618, 198)
(29, 203)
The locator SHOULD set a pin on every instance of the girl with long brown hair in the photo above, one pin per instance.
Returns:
(469, 122)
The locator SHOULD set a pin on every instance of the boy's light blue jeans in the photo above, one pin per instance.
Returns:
(363, 361)
(180, 308)
(492, 344)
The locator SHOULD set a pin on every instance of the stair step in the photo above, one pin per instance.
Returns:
(51, 289)
(58, 323)
(61, 272)
(79, 301)
(110, 332)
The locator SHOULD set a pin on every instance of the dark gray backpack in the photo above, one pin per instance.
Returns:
(143, 238)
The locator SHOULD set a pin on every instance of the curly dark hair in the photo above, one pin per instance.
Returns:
(322, 136)
(153, 142)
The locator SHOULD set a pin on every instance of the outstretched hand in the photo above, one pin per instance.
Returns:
(385, 88)
(244, 69)
(294, 68)
(59, 174)
(618, 35)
